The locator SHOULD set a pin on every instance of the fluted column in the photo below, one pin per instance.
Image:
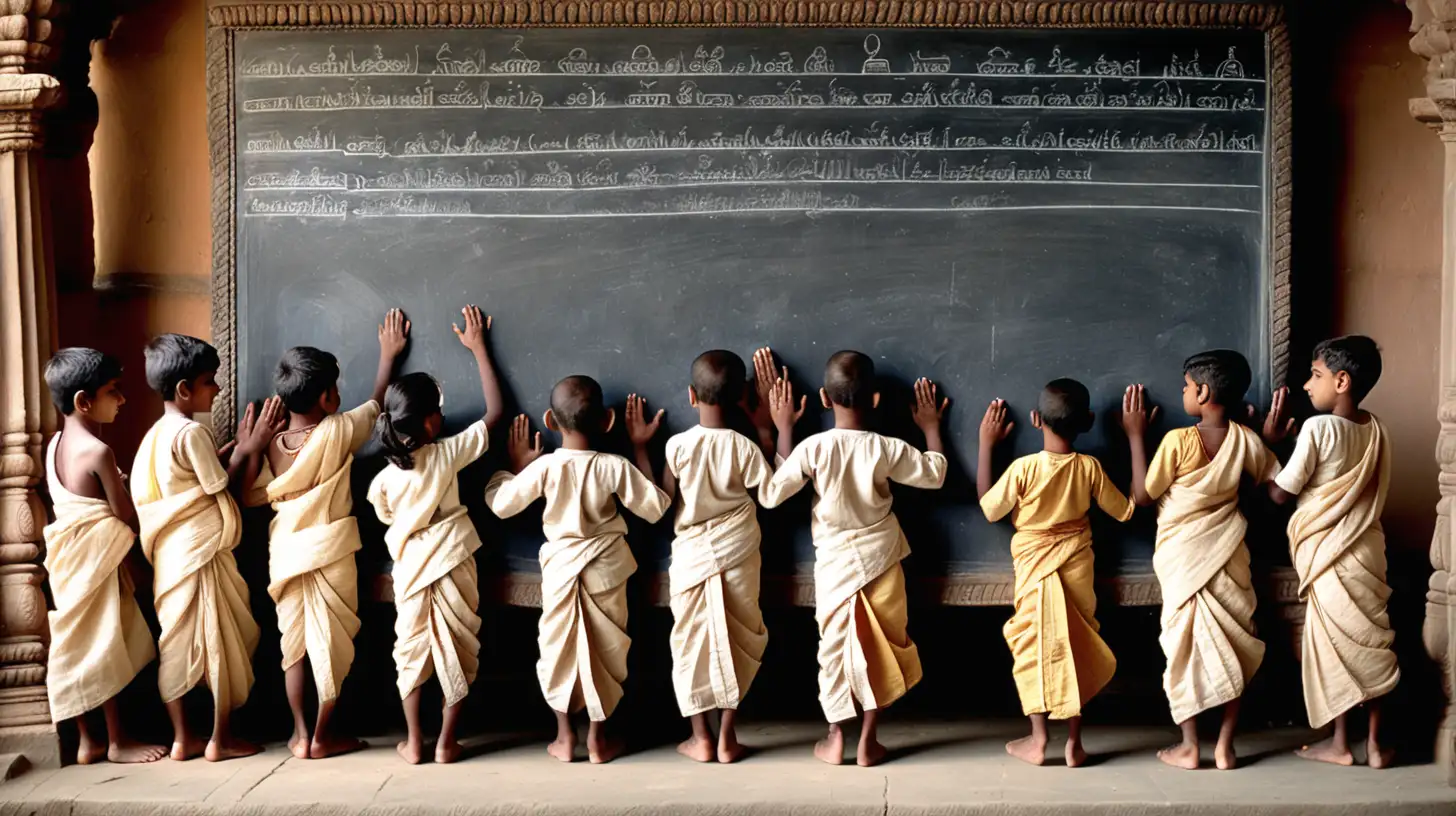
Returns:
(27, 337)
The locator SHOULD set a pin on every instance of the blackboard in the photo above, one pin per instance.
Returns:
(988, 208)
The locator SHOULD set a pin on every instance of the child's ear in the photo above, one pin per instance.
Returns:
(1342, 382)
(1203, 394)
(875, 403)
(611, 421)
(824, 398)
(692, 396)
(1036, 420)
(183, 389)
(549, 420)
(81, 403)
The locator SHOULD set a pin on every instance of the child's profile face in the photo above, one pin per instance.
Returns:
(103, 406)
(203, 391)
(1191, 407)
(1324, 386)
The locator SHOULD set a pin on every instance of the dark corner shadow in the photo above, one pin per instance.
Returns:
(900, 752)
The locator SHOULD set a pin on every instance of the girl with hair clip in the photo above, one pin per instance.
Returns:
(431, 539)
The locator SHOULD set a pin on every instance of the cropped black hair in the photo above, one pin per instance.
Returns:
(400, 429)
(1356, 355)
(718, 377)
(303, 375)
(849, 380)
(176, 358)
(1224, 371)
(577, 404)
(78, 370)
(1065, 408)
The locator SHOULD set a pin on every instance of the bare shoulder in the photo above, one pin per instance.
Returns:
(87, 451)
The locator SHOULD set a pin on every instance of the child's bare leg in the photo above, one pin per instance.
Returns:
(325, 743)
(729, 750)
(871, 752)
(831, 748)
(1185, 754)
(564, 747)
(1335, 750)
(91, 749)
(1379, 757)
(412, 750)
(1031, 748)
(184, 744)
(122, 748)
(1076, 755)
(599, 748)
(1224, 757)
(447, 750)
(698, 747)
(294, 678)
(224, 744)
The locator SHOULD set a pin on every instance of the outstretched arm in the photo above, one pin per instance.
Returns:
(764, 377)
(928, 413)
(254, 436)
(785, 415)
(994, 429)
(475, 337)
(393, 337)
(641, 431)
(1135, 421)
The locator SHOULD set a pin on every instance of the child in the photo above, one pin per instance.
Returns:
(1058, 659)
(1340, 469)
(585, 562)
(718, 636)
(432, 542)
(314, 535)
(189, 527)
(865, 653)
(1201, 561)
(99, 641)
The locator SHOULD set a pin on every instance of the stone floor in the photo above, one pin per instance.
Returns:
(936, 769)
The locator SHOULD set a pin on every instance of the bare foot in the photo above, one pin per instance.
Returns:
(870, 755)
(1182, 755)
(1076, 756)
(90, 753)
(729, 751)
(831, 748)
(604, 752)
(298, 744)
(410, 752)
(1028, 749)
(1326, 752)
(333, 746)
(1224, 757)
(232, 749)
(447, 752)
(564, 750)
(698, 750)
(129, 752)
(1379, 758)
(187, 749)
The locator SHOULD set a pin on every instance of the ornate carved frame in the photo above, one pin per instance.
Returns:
(957, 590)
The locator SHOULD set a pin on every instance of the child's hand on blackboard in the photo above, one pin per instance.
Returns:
(928, 410)
(639, 430)
(522, 449)
(994, 425)
(393, 335)
(764, 377)
(1135, 416)
(473, 336)
(781, 404)
(1278, 424)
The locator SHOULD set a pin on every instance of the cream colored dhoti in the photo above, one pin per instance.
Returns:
(436, 633)
(583, 631)
(718, 637)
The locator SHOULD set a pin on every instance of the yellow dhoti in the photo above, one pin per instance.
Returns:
(865, 652)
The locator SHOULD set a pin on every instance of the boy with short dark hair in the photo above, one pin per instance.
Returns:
(585, 562)
(1201, 561)
(99, 641)
(866, 656)
(190, 525)
(313, 536)
(1340, 470)
(1059, 660)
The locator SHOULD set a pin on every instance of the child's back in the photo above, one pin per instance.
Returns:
(715, 469)
(1046, 492)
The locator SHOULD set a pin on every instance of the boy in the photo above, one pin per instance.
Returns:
(585, 562)
(865, 653)
(314, 535)
(1340, 469)
(1201, 561)
(189, 527)
(718, 636)
(1058, 659)
(99, 641)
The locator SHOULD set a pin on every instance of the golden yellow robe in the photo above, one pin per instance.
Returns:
(433, 544)
(99, 641)
(718, 636)
(1059, 660)
(865, 652)
(190, 526)
(1203, 566)
(1341, 471)
(585, 564)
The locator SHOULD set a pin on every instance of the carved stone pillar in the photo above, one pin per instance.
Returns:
(27, 338)
(1434, 24)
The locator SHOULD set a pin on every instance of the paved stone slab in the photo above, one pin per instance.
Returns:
(937, 770)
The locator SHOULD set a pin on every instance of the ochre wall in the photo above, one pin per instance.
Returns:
(1367, 199)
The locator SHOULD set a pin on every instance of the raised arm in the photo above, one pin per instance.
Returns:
(764, 377)
(1135, 421)
(928, 413)
(393, 337)
(785, 415)
(475, 337)
(641, 431)
(254, 435)
(509, 494)
(994, 429)
(1278, 425)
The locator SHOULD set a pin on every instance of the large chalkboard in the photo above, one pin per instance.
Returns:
(989, 208)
